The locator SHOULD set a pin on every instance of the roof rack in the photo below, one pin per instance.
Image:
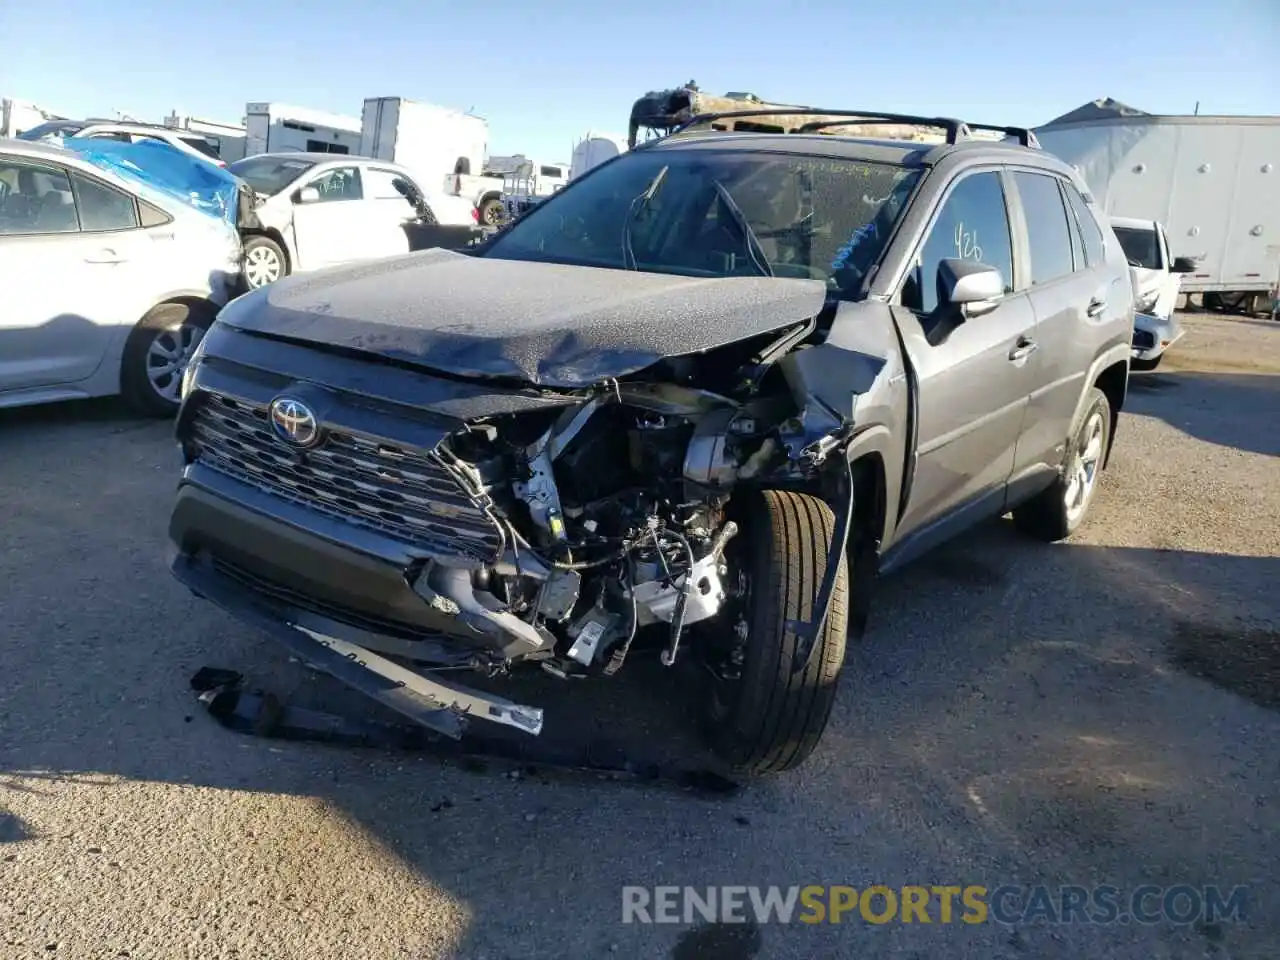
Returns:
(956, 130)
(1024, 136)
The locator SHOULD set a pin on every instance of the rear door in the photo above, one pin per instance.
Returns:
(974, 385)
(389, 212)
(334, 229)
(1074, 298)
(68, 246)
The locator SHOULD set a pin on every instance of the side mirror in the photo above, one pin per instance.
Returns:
(307, 195)
(972, 287)
(1183, 265)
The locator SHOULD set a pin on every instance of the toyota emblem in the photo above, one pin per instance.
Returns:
(294, 422)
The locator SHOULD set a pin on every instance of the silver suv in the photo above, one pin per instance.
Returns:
(691, 404)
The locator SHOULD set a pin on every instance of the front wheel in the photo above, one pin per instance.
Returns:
(156, 356)
(767, 718)
(264, 262)
(1055, 513)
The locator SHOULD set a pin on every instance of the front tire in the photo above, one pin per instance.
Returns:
(156, 356)
(1055, 513)
(264, 262)
(770, 719)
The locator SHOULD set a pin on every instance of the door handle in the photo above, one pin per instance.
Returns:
(105, 256)
(1024, 348)
(1096, 306)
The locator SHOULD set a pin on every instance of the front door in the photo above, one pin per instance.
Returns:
(974, 385)
(66, 264)
(335, 227)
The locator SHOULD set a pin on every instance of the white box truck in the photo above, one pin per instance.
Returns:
(431, 141)
(1212, 181)
(282, 127)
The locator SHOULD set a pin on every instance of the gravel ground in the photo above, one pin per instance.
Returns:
(1101, 711)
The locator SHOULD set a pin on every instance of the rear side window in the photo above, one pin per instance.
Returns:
(202, 145)
(152, 216)
(1090, 232)
(1048, 234)
(35, 200)
(102, 207)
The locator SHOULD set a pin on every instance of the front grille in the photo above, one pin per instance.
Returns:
(1144, 339)
(399, 491)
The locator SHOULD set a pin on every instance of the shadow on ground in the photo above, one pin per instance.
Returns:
(1208, 406)
(1017, 714)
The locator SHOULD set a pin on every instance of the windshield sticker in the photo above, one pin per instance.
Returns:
(863, 233)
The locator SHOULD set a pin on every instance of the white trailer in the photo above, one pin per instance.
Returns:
(593, 150)
(282, 127)
(1214, 182)
(431, 141)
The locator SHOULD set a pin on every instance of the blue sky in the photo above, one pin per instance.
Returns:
(543, 73)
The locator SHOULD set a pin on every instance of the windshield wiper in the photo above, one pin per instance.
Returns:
(639, 203)
(754, 250)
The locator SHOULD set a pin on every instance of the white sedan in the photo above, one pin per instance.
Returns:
(106, 284)
(322, 209)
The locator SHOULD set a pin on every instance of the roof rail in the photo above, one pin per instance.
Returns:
(956, 130)
(1021, 134)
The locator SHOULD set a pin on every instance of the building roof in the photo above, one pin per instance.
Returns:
(1104, 108)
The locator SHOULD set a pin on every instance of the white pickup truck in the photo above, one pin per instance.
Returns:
(486, 190)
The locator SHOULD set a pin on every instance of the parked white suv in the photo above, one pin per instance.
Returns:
(189, 142)
(323, 209)
(107, 284)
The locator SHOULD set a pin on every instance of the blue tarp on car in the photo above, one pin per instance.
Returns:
(197, 183)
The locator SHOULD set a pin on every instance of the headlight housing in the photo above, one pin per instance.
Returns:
(1146, 301)
(189, 373)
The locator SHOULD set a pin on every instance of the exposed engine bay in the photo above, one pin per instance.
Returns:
(614, 513)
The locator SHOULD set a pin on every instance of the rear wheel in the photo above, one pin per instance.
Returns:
(765, 718)
(491, 212)
(1055, 513)
(156, 356)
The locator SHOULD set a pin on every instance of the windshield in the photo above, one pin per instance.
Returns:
(720, 213)
(54, 128)
(1140, 247)
(269, 175)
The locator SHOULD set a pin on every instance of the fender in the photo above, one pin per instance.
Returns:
(1114, 354)
(878, 440)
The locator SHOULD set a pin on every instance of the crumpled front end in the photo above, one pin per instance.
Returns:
(464, 523)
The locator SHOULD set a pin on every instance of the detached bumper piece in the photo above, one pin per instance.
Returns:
(264, 714)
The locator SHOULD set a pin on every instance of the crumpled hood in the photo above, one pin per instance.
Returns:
(547, 324)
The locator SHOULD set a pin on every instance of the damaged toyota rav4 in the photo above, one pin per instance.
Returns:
(691, 406)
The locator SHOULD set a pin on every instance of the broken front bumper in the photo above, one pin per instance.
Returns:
(1153, 335)
(345, 650)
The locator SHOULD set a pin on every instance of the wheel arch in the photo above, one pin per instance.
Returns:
(1113, 381)
(276, 236)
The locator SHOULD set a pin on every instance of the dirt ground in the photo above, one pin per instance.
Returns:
(1102, 711)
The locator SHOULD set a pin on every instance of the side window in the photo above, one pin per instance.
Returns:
(550, 172)
(340, 184)
(973, 224)
(1090, 232)
(380, 184)
(102, 207)
(1048, 234)
(200, 144)
(111, 135)
(35, 200)
(1073, 228)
